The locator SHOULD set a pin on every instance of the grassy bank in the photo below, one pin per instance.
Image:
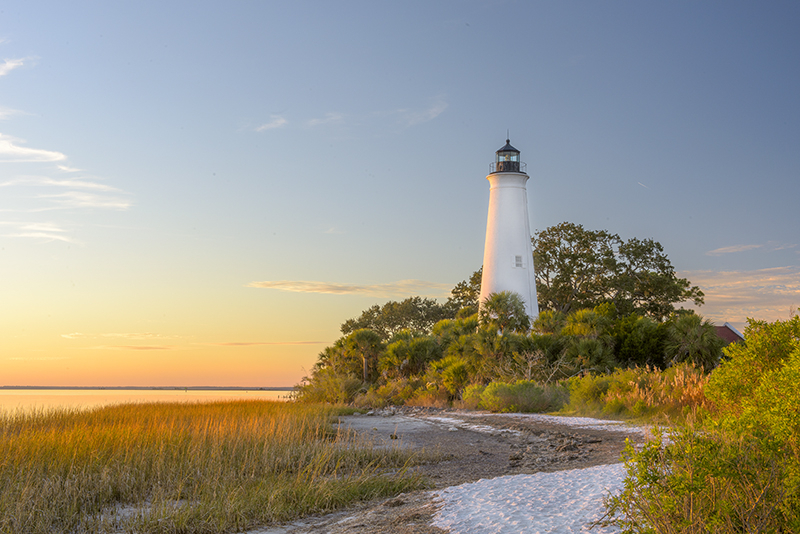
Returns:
(188, 468)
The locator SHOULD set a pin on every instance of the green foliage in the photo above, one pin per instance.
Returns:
(394, 392)
(327, 386)
(364, 345)
(471, 397)
(549, 322)
(740, 472)
(690, 338)
(588, 323)
(587, 394)
(522, 396)
(408, 356)
(414, 313)
(708, 482)
(466, 295)
(450, 373)
(579, 268)
(590, 355)
(448, 331)
(639, 392)
(767, 349)
(504, 312)
(640, 341)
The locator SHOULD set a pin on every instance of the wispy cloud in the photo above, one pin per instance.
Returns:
(734, 296)
(771, 246)
(327, 119)
(276, 122)
(66, 168)
(44, 181)
(37, 230)
(413, 117)
(10, 64)
(393, 289)
(37, 358)
(12, 151)
(135, 347)
(78, 193)
(6, 113)
(256, 343)
(123, 335)
(82, 199)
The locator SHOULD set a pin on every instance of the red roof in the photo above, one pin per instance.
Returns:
(729, 333)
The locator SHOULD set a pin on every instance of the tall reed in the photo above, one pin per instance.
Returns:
(189, 468)
(640, 392)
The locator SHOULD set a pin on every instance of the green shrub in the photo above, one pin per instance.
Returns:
(740, 472)
(329, 387)
(471, 398)
(451, 373)
(522, 396)
(395, 392)
(692, 339)
(640, 341)
(707, 482)
(733, 386)
(587, 393)
(432, 396)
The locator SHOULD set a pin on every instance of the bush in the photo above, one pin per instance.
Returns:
(587, 393)
(707, 482)
(450, 373)
(432, 396)
(740, 472)
(329, 387)
(640, 341)
(471, 398)
(522, 396)
(733, 386)
(396, 392)
(690, 338)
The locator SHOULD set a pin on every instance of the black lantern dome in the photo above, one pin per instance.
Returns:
(507, 159)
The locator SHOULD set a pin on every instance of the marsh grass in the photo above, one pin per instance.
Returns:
(188, 468)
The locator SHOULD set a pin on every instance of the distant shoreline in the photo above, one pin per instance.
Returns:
(148, 388)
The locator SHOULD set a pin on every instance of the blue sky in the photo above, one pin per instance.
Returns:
(201, 192)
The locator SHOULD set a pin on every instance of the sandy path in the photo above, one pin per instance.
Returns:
(470, 447)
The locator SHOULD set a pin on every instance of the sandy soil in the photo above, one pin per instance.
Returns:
(469, 447)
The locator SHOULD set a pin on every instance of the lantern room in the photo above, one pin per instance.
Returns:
(507, 160)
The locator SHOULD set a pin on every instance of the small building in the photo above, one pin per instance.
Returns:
(729, 334)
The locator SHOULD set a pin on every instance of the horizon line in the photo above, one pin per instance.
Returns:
(169, 388)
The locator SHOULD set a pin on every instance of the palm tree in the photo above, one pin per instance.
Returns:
(690, 338)
(505, 311)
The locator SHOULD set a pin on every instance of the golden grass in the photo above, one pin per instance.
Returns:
(188, 468)
(640, 393)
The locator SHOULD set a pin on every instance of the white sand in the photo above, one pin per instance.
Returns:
(560, 502)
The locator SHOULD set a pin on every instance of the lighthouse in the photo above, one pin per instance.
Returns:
(507, 254)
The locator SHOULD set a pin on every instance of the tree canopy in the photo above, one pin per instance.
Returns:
(579, 268)
(414, 313)
(467, 293)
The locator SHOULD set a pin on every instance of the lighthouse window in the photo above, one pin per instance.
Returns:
(518, 261)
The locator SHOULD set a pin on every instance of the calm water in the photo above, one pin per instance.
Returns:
(11, 400)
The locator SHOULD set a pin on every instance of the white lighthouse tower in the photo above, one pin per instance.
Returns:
(507, 255)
